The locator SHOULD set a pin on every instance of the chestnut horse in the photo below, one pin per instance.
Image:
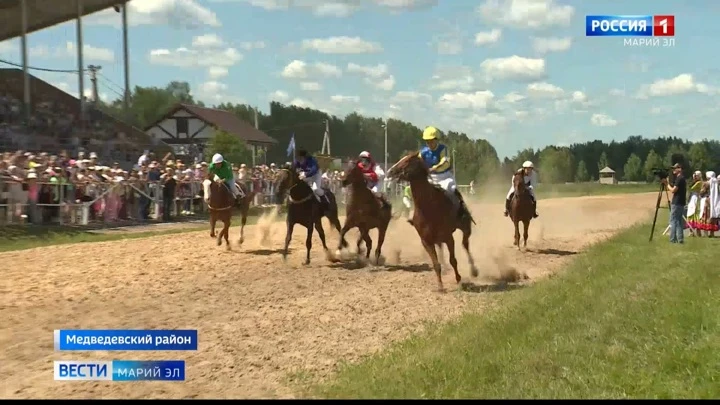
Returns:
(435, 215)
(221, 207)
(364, 211)
(521, 208)
(305, 209)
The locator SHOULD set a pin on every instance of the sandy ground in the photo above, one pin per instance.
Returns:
(261, 322)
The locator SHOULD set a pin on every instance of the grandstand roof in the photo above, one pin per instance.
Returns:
(44, 13)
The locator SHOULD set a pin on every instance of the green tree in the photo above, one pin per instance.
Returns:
(556, 165)
(581, 174)
(633, 169)
(652, 162)
(699, 156)
(233, 149)
(676, 154)
(603, 161)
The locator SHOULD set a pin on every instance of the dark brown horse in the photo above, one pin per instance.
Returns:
(435, 216)
(364, 211)
(221, 206)
(305, 209)
(521, 208)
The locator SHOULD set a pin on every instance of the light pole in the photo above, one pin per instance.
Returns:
(385, 127)
(453, 162)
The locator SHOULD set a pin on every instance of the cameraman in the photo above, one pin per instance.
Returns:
(677, 205)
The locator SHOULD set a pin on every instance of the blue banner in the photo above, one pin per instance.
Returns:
(618, 26)
(120, 370)
(125, 339)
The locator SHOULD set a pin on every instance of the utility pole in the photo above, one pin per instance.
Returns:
(94, 69)
(326, 139)
(385, 127)
(257, 126)
(453, 157)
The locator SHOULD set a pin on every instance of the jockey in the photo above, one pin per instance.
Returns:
(223, 171)
(309, 171)
(530, 180)
(436, 158)
(373, 173)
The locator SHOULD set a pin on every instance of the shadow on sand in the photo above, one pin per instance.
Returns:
(554, 252)
(266, 252)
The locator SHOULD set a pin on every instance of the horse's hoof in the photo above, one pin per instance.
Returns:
(228, 248)
(307, 262)
(242, 239)
(474, 271)
(212, 235)
(219, 242)
(458, 279)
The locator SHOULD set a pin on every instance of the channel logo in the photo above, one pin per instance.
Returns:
(119, 370)
(630, 26)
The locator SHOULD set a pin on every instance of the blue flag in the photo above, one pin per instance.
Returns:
(291, 145)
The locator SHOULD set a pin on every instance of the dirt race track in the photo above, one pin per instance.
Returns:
(261, 321)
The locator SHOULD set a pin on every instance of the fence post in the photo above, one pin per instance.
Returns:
(85, 213)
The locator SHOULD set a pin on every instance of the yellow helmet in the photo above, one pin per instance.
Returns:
(430, 133)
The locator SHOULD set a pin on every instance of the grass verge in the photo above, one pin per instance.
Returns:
(629, 319)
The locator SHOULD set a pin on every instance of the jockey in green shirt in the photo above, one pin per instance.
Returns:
(223, 170)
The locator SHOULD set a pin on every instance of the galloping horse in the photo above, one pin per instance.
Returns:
(434, 217)
(221, 204)
(365, 211)
(521, 208)
(305, 209)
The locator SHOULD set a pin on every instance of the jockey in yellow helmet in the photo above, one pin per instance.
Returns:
(437, 159)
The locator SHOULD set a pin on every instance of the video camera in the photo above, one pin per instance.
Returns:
(661, 173)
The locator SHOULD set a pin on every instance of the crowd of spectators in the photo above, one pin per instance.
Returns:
(56, 188)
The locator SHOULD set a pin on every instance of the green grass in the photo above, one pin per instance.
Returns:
(628, 319)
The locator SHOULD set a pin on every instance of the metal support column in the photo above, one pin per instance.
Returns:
(126, 63)
(81, 64)
(23, 39)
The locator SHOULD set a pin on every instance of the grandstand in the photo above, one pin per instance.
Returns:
(54, 119)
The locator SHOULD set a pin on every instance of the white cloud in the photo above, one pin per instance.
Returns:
(546, 45)
(187, 14)
(446, 78)
(90, 53)
(298, 69)
(405, 5)
(341, 45)
(280, 96)
(196, 57)
(298, 102)
(513, 97)
(344, 99)
(376, 71)
(488, 37)
(513, 68)
(448, 46)
(412, 98)
(544, 90)
(249, 46)
(310, 86)
(602, 120)
(527, 14)
(386, 84)
(215, 92)
(336, 8)
(217, 72)
(463, 101)
(681, 84)
(207, 41)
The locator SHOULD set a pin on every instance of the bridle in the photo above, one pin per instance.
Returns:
(225, 208)
(289, 197)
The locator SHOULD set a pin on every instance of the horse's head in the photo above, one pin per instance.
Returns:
(284, 180)
(353, 174)
(519, 182)
(409, 168)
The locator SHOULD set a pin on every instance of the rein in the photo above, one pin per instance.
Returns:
(211, 208)
(289, 197)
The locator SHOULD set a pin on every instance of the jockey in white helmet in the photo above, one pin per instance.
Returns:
(223, 170)
(530, 180)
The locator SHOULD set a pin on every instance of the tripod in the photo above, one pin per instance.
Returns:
(657, 207)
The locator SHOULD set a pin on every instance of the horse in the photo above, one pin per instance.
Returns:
(521, 208)
(434, 216)
(221, 205)
(364, 211)
(305, 209)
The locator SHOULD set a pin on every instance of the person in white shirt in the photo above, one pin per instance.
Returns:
(530, 180)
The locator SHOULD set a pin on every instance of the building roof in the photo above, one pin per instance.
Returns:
(607, 170)
(43, 14)
(224, 121)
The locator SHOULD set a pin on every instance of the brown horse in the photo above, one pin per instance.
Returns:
(305, 209)
(221, 206)
(364, 211)
(521, 208)
(435, 216)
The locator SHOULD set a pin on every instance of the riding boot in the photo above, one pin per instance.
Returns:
(462, 209)
(507, 206)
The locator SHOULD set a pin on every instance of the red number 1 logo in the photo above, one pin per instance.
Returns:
(664, 26)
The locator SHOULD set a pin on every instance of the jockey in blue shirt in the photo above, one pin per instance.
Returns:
(437, 159)
(309, 171)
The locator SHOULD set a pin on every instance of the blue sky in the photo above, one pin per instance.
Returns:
(519, 73)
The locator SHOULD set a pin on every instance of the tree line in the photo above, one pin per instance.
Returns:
(633, 159)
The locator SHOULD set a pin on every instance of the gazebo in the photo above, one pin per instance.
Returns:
(607, 176)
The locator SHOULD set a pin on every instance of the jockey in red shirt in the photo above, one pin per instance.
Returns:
(373, 174)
